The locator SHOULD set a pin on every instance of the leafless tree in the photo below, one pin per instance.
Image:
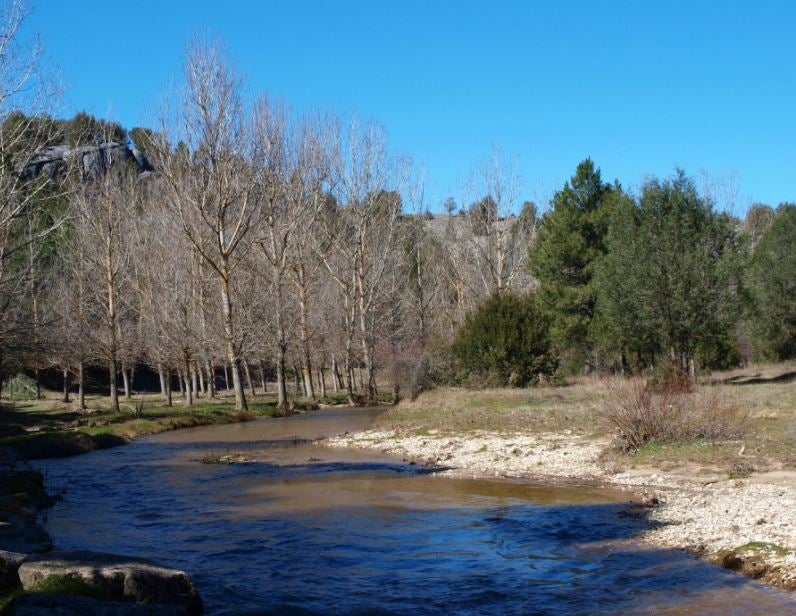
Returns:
(205, 159)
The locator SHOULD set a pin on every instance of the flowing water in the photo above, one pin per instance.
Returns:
(307, 529)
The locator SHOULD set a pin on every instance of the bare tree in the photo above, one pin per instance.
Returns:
(26, 95)
(204, 158)
(102, 215)
(362, 236)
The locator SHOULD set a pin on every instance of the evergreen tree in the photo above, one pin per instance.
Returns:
(504, 342)
(570, 241)
(670, 282)
(773, 282)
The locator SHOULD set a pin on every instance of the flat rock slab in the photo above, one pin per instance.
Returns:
(121, 577)
(72, 605)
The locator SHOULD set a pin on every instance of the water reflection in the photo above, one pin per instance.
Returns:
(310, 530)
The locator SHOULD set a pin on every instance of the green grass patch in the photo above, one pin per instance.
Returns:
(763, 546)
(66, 585)
(57, 584)
(58, 444)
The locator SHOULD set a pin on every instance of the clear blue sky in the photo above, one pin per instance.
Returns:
(641, 87)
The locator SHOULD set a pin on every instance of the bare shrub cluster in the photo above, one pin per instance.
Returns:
(642, 414)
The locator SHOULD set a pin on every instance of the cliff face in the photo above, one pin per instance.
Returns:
(92, 160)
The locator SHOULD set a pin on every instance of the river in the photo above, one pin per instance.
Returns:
(307, 529)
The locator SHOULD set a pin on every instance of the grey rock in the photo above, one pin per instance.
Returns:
(92, 160)
(73, 605)
(122, 577)
(9, 566)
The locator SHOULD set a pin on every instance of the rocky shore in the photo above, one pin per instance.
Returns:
(34, 579)
(748, 524)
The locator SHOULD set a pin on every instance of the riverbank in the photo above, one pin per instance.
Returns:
(36, 579)
(730, 502)
(50, 428)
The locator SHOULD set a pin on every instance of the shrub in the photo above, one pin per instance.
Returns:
(670, 377)
(642, 415)
(504, 342)
(20, 387)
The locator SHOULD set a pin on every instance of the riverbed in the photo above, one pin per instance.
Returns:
(306, 529)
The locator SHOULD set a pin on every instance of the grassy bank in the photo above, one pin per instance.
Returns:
(50, 428)
(767, 392)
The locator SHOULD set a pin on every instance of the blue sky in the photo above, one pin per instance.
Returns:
(641, 87)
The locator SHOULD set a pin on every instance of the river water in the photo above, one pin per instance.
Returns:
(307, 529)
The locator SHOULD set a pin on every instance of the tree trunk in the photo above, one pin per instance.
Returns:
(226, 377)
(194, 381)
(335, 375)
(81, 391)
(201, 373)
(304, 334)
(211, 379)
(168, 389)
(66, 386)
(351, 383)
(126, 381)
(281, 379)
(249, 380)
(162, 381)
(232, 354)
(296, 373)
(306, 370)
(38, 384)
(188, 386)
(112, 369)
(263, 381)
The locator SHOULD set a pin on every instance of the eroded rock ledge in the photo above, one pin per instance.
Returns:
(49, 582)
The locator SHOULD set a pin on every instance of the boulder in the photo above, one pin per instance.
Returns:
(75, 605)
(9, 566)
(120, 577)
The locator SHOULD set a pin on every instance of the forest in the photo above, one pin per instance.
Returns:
(315, 373)
(237, 243)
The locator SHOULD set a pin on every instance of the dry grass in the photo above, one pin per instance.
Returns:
(674, 414)
(766, 394)
(573, 406)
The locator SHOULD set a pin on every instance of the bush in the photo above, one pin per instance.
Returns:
(668, 377)
(504, 342)
(20, 387)
(642, 415)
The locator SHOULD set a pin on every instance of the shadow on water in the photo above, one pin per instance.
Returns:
(312, 530)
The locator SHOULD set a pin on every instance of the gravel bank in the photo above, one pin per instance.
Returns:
(744, 524)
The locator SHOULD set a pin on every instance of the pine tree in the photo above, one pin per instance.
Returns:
(670, 284)
(773, 282)
(571, 240)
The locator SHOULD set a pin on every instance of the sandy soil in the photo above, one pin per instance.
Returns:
(744, 524)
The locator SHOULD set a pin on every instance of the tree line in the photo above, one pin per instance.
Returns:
(256, 244)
